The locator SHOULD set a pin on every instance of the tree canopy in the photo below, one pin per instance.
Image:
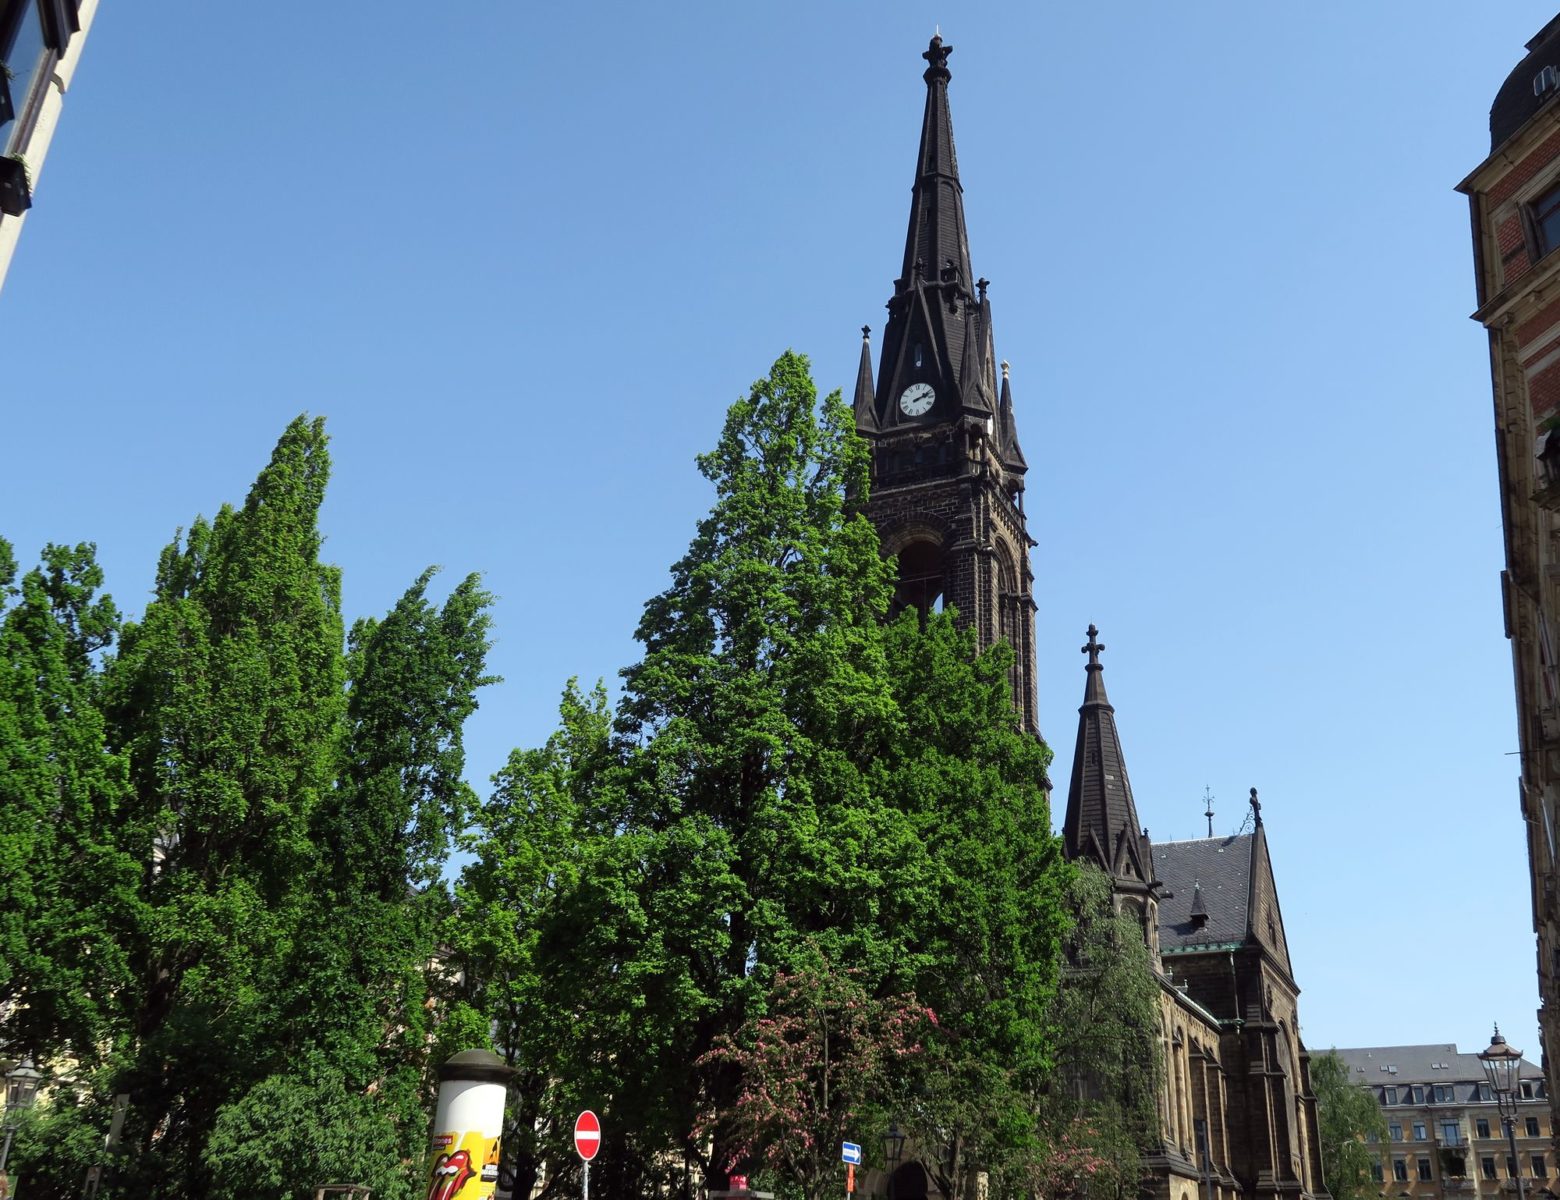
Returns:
(805, 838)
(234, 832)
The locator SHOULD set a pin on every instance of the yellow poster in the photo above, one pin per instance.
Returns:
(465, 1167)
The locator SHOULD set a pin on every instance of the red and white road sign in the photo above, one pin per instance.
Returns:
(587, 1135)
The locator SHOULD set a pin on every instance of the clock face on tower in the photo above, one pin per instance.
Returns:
(916, 399)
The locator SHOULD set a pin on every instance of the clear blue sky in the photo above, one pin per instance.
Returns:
(522, 256)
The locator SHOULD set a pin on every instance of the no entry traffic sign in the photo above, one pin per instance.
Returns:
(587, 1135)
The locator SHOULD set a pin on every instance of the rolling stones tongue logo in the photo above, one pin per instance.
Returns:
(450, 1173)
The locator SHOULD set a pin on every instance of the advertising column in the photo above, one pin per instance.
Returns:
(467, 1125)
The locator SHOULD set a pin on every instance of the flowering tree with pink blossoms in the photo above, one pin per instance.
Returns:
(816, 1069)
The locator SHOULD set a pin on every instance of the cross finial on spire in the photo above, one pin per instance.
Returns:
(1004, 368)
(1256, 806)
(1208, 812)
(937, 56)
(1093, 648)
(866, 333)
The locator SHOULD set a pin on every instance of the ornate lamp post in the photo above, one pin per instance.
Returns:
(21, 1089)
(893, 1151)
(1502, 1065)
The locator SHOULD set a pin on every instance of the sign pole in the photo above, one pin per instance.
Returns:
(587, 1179)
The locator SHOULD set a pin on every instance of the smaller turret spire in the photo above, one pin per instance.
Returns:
(866, 400)
(1101, 822)
(1007, 429)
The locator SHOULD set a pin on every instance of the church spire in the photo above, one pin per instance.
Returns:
(937, 342)
(1102, 822)
(936, 239)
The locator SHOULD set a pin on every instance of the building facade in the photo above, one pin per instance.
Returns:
(1514, 200)
(1444, 1138)
(40, 45)
(1238, 1121)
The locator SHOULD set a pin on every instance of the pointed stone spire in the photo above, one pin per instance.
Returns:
(1012, 453)
(938, 330)
(936, 238)
(1102, 823)
(866, 401)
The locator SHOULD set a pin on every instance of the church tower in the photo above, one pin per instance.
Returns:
(947, 470)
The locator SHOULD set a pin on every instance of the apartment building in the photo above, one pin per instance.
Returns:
(1444, 1135)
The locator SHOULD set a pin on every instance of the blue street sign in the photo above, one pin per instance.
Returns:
(850, 1152)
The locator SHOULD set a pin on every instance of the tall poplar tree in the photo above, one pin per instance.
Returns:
(228, 700)
(224, 855)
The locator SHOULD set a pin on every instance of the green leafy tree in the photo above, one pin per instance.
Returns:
(509, 968)
(1347, 1114)
(982, 919)
(227, 699)
(788, 777)
(231, 843)
(1097, 1102)
(67, 888)
(302, 1127)
(748, 825)
(356, 990)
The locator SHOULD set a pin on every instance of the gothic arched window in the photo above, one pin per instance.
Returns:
(921, 585)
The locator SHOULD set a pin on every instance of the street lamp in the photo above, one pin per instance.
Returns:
(1502, 1065)
(893, 1151)
(21, 1089)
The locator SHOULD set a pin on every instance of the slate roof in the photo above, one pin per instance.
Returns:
(1418, 1064)
(1216, 871)
(1519, 99)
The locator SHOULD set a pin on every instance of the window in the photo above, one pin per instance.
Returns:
(1481, 1127)
(1539, 1170)
(1389, 1095)
(1532, 1127)
(1400, 1169)
(1395, 1132)
(1375, 1171)
(1482, 1092)
(1418, 1093)
(1449, 1133)
(1424, 1168)
(1370, 1136)
(1443, 1093)
(1527, 1089)
(26, 58)
(1487, 1166)
(1420, 1134)
(1544, 212)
